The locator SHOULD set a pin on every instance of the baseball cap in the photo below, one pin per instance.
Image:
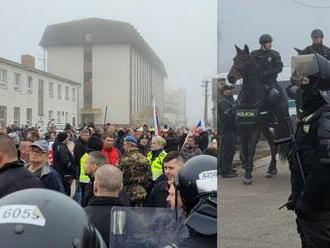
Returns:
(41, 144)
(131, 139)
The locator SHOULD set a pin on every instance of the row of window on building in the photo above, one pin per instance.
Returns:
(142, 77)
(18, 86)
(60, 116)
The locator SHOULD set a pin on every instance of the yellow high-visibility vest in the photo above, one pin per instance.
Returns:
(156, 164)
(83, 178)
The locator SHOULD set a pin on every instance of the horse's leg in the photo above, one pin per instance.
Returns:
(241, 153)
(272, 170)
(243, 146)
(254, 135)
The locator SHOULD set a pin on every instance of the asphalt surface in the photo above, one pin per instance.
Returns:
(248, 216)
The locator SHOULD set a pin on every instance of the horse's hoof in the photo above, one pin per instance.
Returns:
(271, 173)
(247, 179)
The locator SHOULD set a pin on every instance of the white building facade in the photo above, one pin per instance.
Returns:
(33, 97)
(118, 71)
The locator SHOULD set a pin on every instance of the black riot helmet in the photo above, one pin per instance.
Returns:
(196, 179)
(265, 38)
(317, 33)
(41, 218)
(197, 183)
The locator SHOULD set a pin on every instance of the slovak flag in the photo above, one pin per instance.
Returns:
(155, 118)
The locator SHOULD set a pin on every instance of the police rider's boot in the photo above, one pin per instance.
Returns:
(247, 179)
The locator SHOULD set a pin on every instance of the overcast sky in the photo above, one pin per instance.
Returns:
(181, 32)
(290, 24)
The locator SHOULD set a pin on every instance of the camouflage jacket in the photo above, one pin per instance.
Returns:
(137, 176)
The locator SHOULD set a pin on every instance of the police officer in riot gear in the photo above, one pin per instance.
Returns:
(310, 198)
(317, 45)
(41, 218)
(197, 184)
(227, 129)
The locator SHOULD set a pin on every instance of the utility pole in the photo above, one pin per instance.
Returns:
(205, 85)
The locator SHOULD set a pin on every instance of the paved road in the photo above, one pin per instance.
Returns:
(248, 216)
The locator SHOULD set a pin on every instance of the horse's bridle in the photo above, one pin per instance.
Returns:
(238, 69)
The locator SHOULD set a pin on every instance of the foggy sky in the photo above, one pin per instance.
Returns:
(242, 22)
(182, 33)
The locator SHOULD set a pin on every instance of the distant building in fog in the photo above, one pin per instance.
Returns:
(33, 97)
(114, 64)
(175, 108)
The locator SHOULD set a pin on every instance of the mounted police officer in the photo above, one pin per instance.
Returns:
(269, 60)
(317, 45)
(310, 196)
(271, 65)
(228, 136)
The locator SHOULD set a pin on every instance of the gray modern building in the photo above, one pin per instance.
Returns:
(114, 64)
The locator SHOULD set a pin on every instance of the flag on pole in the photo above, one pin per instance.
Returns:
(200, 124)
(189, 134)
(155, 118)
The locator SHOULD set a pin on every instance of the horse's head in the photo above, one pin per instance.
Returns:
(299, 51)
(241, 65)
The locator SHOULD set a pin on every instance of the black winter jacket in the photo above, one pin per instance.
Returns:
(320, 49)
(99, 214)
(14, 177)
(63, 160)
(226, 113)
(158, 195)
(270, 63)
(79, 150)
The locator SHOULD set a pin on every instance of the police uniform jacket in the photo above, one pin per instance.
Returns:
(270, 64)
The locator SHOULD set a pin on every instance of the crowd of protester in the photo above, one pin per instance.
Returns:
(101, 166)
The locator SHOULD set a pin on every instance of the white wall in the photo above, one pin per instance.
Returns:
(22, 99)
(67, 62)
(111, 82)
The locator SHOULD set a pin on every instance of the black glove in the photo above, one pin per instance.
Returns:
(302, 209)
(291, 205)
